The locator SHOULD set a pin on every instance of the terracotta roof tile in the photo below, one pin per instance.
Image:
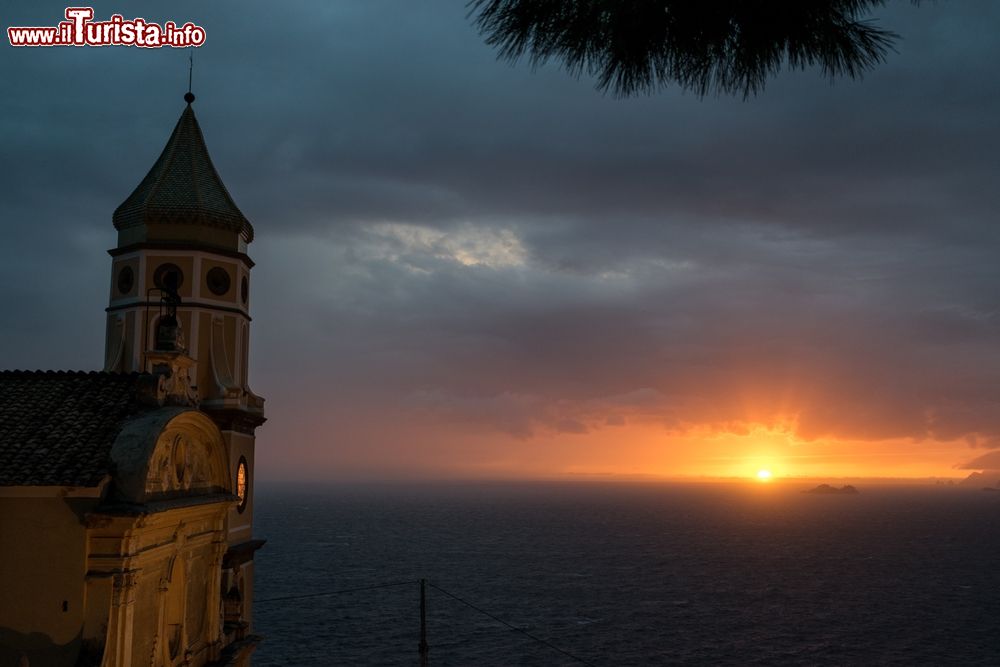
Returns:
(57, 427)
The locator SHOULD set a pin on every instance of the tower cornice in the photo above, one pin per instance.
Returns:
(181, 246)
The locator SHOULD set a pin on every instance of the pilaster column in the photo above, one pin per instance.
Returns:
(121, 619)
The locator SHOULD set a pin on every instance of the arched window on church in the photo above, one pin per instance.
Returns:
(242, 484)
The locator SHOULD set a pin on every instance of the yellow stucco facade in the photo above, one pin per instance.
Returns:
(130, 578)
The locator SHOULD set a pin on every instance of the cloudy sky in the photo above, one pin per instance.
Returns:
(468, 268)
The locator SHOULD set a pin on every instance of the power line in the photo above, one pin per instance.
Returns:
(512, 627)
(390, 584)
(345, 590)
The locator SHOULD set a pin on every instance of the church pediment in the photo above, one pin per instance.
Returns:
(169, 453)
(182, 465)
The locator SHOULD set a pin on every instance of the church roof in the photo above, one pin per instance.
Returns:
(57, 427)
(183, 187)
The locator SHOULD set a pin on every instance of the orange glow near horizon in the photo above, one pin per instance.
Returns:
(761, 453)
(638, 449)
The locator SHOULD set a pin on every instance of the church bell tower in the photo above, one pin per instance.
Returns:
(180, 300)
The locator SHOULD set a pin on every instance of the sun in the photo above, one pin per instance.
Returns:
(764, 475)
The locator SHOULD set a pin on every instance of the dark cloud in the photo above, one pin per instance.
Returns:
(447, 239)
(989, 461)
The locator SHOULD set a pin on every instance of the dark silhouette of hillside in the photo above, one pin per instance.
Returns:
(822, 489)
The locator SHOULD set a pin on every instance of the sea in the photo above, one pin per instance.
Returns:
(626, 574)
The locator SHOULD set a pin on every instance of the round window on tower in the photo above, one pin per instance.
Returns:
(218, 281)
(126, 280)
(168, 277)
(245, 290)
(242, 484)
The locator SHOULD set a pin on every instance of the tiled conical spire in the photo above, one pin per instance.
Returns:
(183, 187)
